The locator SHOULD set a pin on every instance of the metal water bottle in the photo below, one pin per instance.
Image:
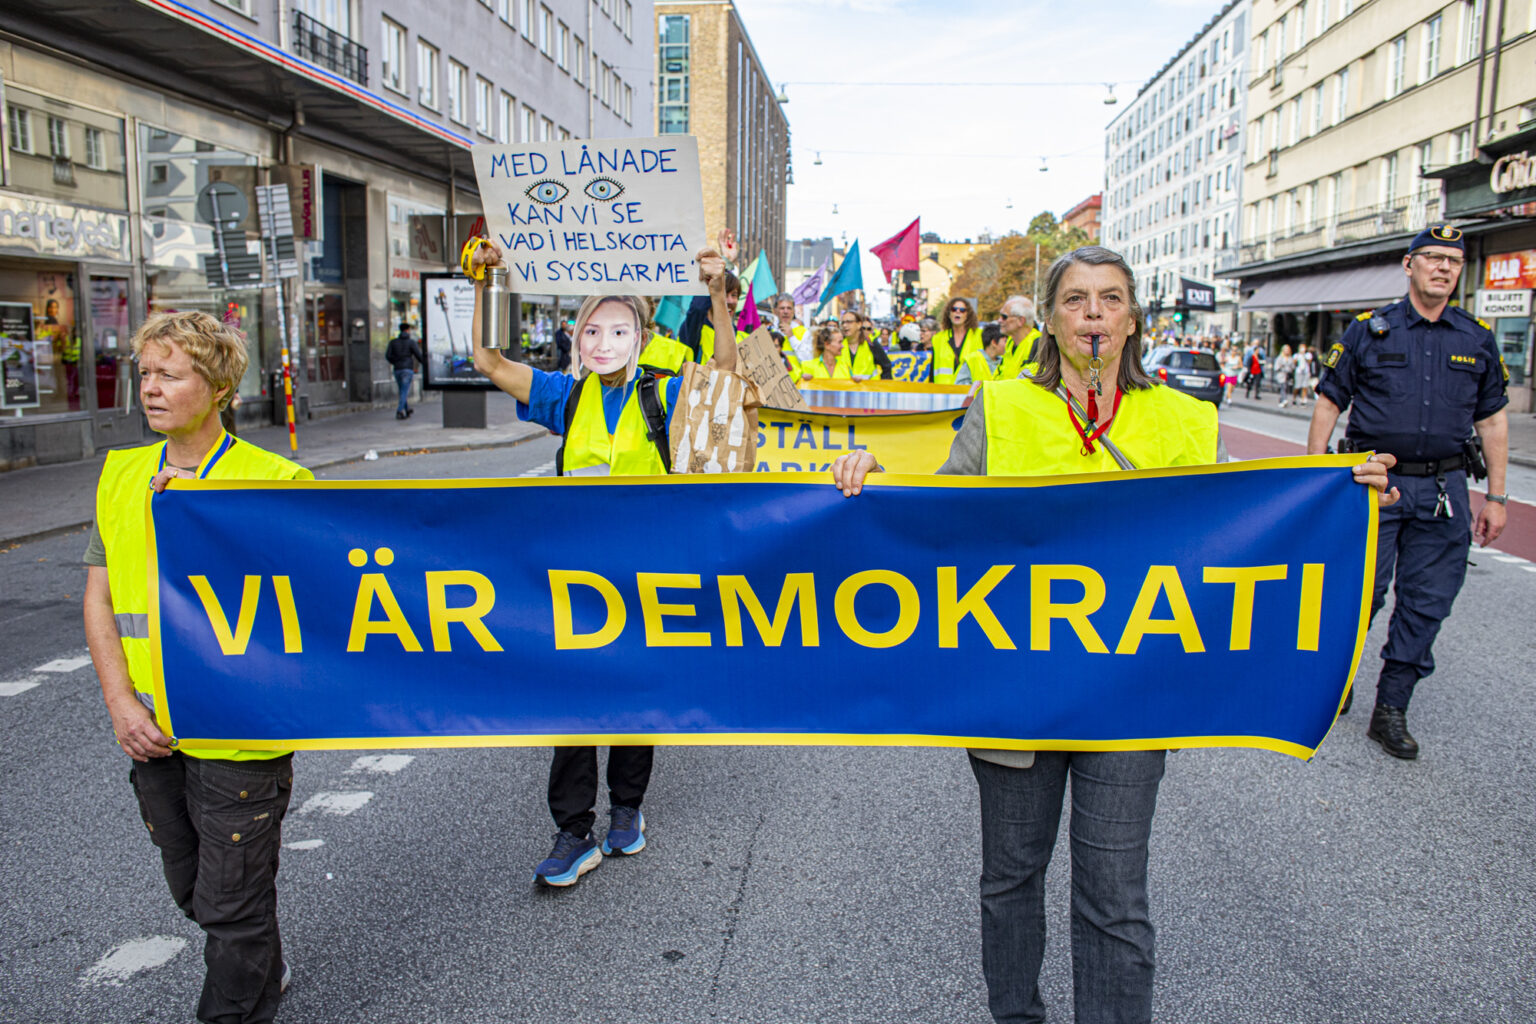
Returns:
(496, 316)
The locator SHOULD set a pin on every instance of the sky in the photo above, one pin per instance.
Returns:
(967, 157)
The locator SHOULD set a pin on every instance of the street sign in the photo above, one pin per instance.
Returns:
(276, 219)
(1503, 302)
(221, 204)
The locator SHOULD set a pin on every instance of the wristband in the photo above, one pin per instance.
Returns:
(1502, 499)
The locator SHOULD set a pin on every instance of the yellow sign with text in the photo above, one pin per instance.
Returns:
(795, 442)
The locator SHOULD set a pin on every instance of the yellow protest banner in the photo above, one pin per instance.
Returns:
(792, 442)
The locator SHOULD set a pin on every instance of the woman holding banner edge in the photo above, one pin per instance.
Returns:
(1051, 424)
(606, 432)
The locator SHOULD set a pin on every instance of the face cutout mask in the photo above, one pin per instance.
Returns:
(608, 339)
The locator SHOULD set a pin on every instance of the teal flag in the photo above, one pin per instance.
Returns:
(670, 313)
(762, 279)
(849, 278)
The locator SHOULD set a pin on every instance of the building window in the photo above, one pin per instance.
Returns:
(629, 14)
(58, 138)
(1461, 146)
(485, 94)
(507, 126)
(673, 60)
(1432, 47)
(243, 6)
(504, 10)
(546, 16)
(1389, 178)
(546, 130)
(159, 173)
(458, 85)
(579, 62)
(565, 135)
(1295, 120)
(1397, 62)
(530, 125)
(1426, 153)
(20, 120)
(95, 149)
(1317, 108)
(426, 74)
(392, 56)
(1471, 29)
(1341, 97)
(629, 99)
(1322, 18)
(606, 82)
(563, 48)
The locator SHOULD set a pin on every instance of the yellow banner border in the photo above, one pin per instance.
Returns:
(1349, 460)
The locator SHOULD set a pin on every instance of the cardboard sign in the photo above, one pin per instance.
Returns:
(713, 408)
(760, 361)
(601, 217)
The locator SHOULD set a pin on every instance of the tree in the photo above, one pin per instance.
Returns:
(1008, 266)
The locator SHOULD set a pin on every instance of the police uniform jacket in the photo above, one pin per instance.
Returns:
(1417, 386)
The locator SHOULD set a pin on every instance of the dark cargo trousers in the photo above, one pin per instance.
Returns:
(218, 825)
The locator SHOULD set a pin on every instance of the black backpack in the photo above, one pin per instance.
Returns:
(650, 408)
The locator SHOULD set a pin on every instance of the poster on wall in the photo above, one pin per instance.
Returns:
(18, 357)
(602, 217)
(447, 342)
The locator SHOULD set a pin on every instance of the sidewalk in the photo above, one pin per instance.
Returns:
(43, 500)
(1522, 425)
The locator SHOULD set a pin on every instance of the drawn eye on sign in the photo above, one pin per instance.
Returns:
(548, 191)
(604, 190)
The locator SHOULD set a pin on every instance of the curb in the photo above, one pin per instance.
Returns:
(55, 531)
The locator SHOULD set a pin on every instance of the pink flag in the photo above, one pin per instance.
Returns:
(899, 252)
(748, 320)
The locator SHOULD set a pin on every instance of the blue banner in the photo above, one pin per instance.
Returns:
(1214, 606)
(909, 366)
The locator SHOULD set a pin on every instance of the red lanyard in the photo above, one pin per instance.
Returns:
(1098, 431)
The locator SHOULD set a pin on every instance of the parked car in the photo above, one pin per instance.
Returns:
(1192, 371)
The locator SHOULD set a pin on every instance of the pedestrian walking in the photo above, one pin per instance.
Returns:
(616, 424)
(1301, 376)
(1231, 369)
(563, 347)
(1253, 386)
(955, 342)
(1054, 423)
(215, 815)
(1285, 366)
(404, 354)
(1424, 378)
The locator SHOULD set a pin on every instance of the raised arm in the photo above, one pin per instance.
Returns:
(712, 273)
(516, 379)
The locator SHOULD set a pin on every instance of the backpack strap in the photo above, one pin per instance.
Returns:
(570, 417)
(655, 417)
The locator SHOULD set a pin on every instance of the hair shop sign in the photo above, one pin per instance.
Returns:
(57, 229)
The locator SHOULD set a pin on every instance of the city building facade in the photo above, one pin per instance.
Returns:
(116, 118)
(1357, 111)
(1086, 216)
(710, 83)
(1173, 171)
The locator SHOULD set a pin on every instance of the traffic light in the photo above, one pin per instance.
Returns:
(1178, 311)
(908, 297)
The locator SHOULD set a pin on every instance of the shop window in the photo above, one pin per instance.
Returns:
(39, 343)
(175, 168)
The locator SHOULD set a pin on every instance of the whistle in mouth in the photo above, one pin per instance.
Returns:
(1094, 338)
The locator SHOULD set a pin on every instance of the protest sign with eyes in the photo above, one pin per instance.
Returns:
(604, 216)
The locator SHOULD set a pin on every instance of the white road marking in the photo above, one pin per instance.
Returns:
(1511, 559)
(547, 469)
(131, 957)
(385, 764)
(1529, 568)
(65, 664)
(336, 802)
(20, 686)
(304, 844)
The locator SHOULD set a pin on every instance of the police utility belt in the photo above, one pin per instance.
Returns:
(1470, 459)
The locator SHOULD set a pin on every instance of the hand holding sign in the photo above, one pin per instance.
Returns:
(604, 217)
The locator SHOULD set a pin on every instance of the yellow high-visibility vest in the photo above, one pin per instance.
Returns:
(664, 353)
(817, 368)
(944, 361)
(1030, 434)
(981, 370)
(1016, 355)
(628, 451)
(121, 518)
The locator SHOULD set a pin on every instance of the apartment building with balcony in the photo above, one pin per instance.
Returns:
(711, 83)
(115, 116)
(1173, 170)
(1355, 107)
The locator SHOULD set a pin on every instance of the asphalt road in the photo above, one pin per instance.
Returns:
(782, 884)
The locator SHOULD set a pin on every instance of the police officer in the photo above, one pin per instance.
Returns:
(1423, 376)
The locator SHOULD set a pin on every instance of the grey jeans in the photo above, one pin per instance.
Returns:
(1114, 796)
(218, 825)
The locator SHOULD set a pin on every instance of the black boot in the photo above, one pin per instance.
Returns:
(1389, 727)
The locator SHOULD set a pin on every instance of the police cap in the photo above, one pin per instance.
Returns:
(1438, 234)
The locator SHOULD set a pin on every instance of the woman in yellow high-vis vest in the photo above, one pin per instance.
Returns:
(1054, 423)
(955, 342)
(828, 362)
(601, 411)
(224, 879)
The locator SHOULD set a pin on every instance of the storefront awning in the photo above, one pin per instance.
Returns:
(1348, 288)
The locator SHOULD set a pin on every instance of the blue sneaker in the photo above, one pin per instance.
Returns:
(626, 831)
(569, 860)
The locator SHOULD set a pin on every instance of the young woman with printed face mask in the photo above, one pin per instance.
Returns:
(601, 414)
